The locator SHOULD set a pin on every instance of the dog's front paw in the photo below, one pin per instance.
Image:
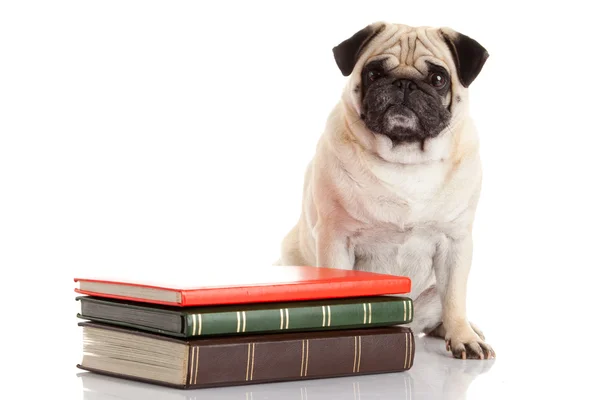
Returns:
(465, 343)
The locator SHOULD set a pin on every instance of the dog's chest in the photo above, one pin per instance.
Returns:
(417, 183)
(403, 196)
(393, 251)
(403, 219)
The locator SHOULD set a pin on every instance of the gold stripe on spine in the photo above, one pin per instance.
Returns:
(323, 315)
(191, 363)
(329, 316)
(410, 310)
(281, 318)
(238, 319)
(370, 313)
(364, 313)
(248, 363)
(302, 365)
(410, 343)
(355, 353)
(197, 359)
(306, 362)
(404, 304)
(193, 324)
(252, 369)
(192, 369)
(359, 351)
(405, 348)
(243, 321)
(199, 324)
(287, 318)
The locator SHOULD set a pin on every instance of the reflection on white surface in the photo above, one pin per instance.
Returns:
(434, 375)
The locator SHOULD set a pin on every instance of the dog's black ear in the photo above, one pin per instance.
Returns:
(347, 52)
(469, 56)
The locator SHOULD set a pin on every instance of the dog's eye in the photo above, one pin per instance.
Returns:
(373, 75)
(437, 80)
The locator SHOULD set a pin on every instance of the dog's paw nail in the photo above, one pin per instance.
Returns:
(471, 349)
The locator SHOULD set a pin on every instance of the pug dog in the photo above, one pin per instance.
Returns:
(395, 180)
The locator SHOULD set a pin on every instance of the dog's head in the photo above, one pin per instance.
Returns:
(408, 84)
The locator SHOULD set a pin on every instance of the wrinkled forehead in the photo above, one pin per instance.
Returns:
(408, 50)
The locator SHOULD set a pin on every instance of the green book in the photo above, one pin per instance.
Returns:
(314, 315)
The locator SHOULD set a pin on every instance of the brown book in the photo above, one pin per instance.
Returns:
(248, 359)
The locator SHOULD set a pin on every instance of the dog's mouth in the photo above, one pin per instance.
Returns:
(398, 122)
(401, 120)
(405, 123)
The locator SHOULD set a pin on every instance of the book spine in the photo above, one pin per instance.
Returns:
(324, 317)
(261, 362)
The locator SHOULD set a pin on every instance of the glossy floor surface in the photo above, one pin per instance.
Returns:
(434, 375)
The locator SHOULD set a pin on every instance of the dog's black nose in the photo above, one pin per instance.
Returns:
(406, 85)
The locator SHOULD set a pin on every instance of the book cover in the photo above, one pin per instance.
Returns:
(253, 285)
(250, 318)
(247, 359)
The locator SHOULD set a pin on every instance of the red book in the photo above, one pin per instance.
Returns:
(261, 285)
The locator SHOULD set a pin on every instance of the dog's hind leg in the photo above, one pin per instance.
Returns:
(427, 311)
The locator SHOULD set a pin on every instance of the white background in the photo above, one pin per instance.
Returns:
(173, 135)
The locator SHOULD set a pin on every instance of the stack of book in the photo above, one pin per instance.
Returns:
(272, 325)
